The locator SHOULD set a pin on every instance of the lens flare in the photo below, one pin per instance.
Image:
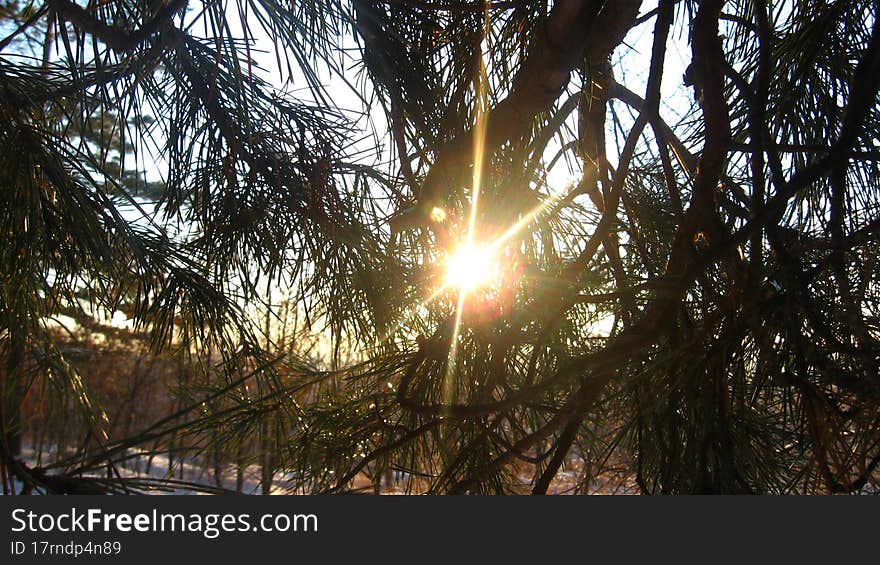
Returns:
(438, 215)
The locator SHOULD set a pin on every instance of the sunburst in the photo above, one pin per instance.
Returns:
(474, 266)
(471, 267)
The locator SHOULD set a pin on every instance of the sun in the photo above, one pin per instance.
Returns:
(471, 267)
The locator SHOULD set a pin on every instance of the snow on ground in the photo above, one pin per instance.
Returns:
(145, 469)
(152, 469)
(157, 467)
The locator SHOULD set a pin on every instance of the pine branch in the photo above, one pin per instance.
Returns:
(117, 39)
(539, 82)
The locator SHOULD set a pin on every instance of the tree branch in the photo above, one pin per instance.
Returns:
(539, 82)
(117, 39)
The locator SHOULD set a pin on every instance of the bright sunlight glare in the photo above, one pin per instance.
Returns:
(471, 267)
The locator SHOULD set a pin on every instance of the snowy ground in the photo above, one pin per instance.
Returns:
(155, 468)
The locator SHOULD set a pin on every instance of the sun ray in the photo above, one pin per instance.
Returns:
(469, 245)
(453, 348)
(410, 312)
(480, 110)
(521, 223)
(453, 281)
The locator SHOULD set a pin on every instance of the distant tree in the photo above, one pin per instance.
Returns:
(699, 307)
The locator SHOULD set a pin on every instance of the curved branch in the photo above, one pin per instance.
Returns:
(117, 39)
(539, 82)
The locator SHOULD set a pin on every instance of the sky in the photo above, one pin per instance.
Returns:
(632, 71)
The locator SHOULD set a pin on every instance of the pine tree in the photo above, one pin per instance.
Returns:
(698, 310)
